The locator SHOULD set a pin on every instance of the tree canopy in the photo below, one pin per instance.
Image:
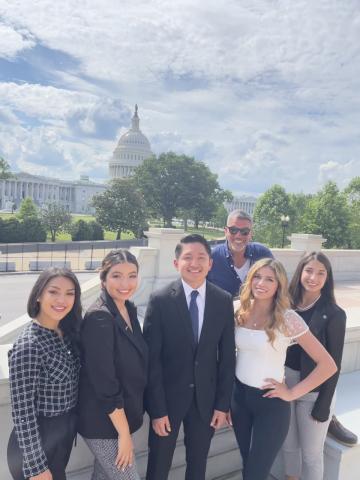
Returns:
(121, 208)
(27, 209)
(178, 186)
(274, 203)
(5, 171)
(55, 219)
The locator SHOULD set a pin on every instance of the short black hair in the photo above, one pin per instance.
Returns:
(193, 238)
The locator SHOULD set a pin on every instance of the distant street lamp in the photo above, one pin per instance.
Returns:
(285, 219)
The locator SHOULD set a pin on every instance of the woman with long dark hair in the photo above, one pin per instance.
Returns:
(265, 327)
(43, 373)
(114, 371)
(312, 291)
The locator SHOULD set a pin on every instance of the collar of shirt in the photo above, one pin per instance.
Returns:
(200, 300)
(188, 290)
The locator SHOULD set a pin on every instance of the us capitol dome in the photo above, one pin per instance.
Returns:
(132, 149)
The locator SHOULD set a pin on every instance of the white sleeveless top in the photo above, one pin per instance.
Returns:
(258, 359)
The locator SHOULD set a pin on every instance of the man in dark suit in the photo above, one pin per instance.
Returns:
(189, 328)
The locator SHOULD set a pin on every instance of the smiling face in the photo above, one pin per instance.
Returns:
(121, 282)
(238, 234)
(193, 264)
(56, 300)
(313, 277)
(264, 284)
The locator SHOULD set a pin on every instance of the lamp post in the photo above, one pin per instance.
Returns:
(284, 224)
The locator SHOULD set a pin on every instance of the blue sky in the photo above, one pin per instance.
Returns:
(263, 91)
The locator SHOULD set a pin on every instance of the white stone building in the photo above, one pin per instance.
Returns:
(244, 203)
(75, 196)
(132, 149)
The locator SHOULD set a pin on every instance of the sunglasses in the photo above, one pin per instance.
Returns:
(234, 230)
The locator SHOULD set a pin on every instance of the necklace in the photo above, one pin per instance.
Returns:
(307, 307)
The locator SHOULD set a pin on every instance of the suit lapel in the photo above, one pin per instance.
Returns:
(318, 318)
(134, 337)
(184, 314)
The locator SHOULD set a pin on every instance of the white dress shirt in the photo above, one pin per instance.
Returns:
(200, 300)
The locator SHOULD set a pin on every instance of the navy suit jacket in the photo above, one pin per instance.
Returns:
(180, 369)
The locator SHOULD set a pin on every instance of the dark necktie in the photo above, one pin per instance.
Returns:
(194, 314)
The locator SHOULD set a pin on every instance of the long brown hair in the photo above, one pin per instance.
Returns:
(296, 289)
(281, 301)
(70, 324)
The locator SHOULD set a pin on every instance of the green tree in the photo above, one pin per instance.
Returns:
(11, 231)
(220, 217)
(80, 230)
(274, 203)
(327, 214)
(178, 186)
(55, 219)
(5, 172)
(96, 231)
(352, 195)
(121, 208)
(298, 204)
(207, 194)
(33, 230)
(27, 209)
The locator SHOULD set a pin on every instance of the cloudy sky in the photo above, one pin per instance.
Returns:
(263, 91)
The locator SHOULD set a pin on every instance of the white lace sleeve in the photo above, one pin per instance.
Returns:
(295, 325)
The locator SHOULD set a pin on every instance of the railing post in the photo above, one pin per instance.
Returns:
(91, 256)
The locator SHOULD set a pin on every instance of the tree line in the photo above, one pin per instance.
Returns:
(331, 212)
(31, 224)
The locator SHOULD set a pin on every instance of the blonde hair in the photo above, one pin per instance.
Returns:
(281, 300)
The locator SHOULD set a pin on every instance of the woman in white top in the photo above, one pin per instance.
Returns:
(265, 327)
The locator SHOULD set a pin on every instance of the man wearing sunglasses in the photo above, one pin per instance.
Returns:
(232, 259)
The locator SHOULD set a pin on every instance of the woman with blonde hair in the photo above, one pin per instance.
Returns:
(265, 327)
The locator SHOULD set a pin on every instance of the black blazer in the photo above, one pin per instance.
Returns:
(328, 326)
(114, 369)
(177, 367)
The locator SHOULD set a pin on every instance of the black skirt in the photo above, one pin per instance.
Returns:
(57, 437)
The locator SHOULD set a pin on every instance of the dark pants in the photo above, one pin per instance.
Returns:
(57, 437)
(197, 438)
(260, 425)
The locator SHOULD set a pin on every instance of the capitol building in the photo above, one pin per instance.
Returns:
(133, 148)
(76, 196)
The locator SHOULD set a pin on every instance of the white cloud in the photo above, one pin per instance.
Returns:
(263, 90)
(13, 42)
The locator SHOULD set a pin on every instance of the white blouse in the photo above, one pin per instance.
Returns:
(257, 358)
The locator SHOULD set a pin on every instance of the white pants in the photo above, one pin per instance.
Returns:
(303, 449)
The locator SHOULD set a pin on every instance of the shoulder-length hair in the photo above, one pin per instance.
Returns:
(280, 303)
(71, 322)
(296, 289)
